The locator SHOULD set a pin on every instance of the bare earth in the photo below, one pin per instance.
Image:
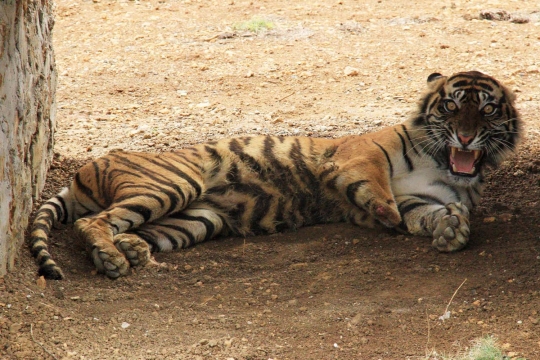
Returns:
(159, 75)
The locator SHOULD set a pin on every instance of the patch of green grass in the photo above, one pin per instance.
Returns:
(483, 349)
(254, 25)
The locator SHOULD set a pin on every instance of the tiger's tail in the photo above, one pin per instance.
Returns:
(56, 210)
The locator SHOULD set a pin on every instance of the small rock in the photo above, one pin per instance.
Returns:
(226, 35)
(203, 104)
(505, 217)
(356, 319)
(228, 342)
(533, 69)
(212, 343)
(495, 15)
(125, 325)
(15, 328)
(350, 71)
(297, 266)
(41, 283)
(519, 19)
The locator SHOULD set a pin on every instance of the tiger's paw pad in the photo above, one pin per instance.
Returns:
(386, 213)
(135, 249)
(110, 262)
(452, 232)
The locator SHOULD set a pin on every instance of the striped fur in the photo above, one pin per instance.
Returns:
(421, 177)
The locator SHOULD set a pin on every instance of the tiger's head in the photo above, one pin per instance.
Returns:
(469, 121)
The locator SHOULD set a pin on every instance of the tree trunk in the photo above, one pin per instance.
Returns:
(27, 115)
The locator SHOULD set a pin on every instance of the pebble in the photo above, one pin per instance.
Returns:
(350, 71)
(356, 319)
(297, 266)
(212, 343)
(14, 328)
(228, 342)
(41, 282)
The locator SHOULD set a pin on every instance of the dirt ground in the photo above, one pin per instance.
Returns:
(159, 75)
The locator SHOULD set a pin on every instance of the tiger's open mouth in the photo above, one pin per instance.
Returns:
(464, 162)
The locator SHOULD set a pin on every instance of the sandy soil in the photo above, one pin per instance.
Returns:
(158, 75)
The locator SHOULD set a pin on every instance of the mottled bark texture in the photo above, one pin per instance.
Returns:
(27, 113)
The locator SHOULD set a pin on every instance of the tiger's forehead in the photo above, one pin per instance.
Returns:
(478, 84)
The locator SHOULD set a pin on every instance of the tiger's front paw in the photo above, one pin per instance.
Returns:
(110, 261)
(452, 232)
(135, 249)
(385, 212)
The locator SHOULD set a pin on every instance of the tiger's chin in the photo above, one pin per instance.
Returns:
(465, 163)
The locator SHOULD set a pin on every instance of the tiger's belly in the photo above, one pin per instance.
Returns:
(267, 212)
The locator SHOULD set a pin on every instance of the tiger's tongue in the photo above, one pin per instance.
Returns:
(464, 161)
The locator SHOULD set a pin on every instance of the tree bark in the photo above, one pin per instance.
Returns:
(27, 115)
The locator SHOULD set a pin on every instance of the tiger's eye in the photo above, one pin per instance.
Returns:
(450, 105)
(488, 109)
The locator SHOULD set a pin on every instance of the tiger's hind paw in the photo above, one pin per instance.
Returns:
(135, 249)
(110, 262)
(452, 232)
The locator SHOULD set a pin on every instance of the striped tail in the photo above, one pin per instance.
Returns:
(55, 210)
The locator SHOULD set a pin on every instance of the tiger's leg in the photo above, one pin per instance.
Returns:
(447, 224)
(176, 231)
(366, 185)
(99, 231)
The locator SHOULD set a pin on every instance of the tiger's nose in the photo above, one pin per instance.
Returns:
(465, 139)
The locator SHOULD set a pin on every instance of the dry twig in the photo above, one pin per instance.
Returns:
(40, 344)
(452, 298)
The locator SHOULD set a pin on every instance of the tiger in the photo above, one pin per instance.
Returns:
(420, 177)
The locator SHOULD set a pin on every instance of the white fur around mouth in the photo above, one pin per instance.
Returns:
(464, 161)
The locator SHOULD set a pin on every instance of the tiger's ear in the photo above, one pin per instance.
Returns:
(434, 79)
